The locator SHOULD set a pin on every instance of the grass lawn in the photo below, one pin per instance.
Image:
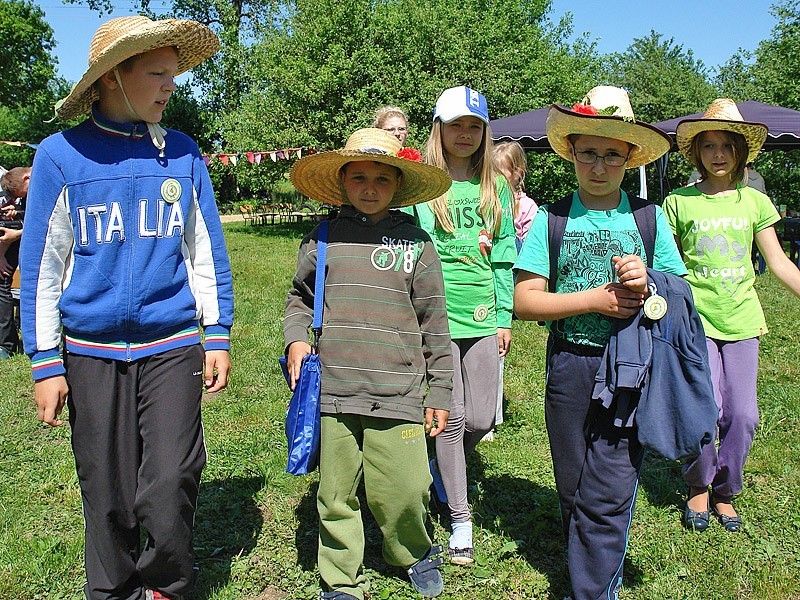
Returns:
(256, 526)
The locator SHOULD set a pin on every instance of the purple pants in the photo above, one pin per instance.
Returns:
(734, 368)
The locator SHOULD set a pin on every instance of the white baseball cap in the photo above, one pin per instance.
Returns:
(461, 101)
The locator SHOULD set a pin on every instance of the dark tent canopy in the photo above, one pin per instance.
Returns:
(783, 123)
(527, 128)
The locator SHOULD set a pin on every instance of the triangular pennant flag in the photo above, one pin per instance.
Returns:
(299, 153)
(250, 157)
(280, 154)
(258, 158)
(206, 159)
(224, 159)
(273, 156)
(234, 159)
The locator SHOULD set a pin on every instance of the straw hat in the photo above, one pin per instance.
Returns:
(119, 39)
(722, 115)
(606, 112)
(317, 175)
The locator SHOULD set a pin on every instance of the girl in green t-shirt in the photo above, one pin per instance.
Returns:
(715, 223)
(473, 229)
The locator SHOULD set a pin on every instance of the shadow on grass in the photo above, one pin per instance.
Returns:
(661, 479)
(227, 525)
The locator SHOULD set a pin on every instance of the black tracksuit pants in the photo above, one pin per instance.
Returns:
(139, 451)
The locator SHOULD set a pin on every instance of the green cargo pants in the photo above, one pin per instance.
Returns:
(393, 458)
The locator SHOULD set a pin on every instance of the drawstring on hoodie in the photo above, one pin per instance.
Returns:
(157, 132)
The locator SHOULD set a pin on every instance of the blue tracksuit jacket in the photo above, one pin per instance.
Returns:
(123, 251)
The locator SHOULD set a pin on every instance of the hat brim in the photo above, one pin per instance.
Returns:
(194, 41)
(650, 143)
(755, 134)
(317, 176)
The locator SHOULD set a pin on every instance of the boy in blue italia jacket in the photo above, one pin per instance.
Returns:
(123, 257)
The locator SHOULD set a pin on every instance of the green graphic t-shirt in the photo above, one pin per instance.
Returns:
(591, 239)
(716, 237)
(478, 284)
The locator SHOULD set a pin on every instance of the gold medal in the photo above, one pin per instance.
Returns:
(655, 307)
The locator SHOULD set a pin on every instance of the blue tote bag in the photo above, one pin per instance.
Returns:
(302, 417)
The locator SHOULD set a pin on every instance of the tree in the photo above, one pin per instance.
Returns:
(663, 79)
(28, 87)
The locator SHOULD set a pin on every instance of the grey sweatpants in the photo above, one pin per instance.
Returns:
(472, 413)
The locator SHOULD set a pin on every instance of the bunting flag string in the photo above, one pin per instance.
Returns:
(20, 144)
(255, 158)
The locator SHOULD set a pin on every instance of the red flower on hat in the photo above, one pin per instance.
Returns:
(410, 154)
(584, 109)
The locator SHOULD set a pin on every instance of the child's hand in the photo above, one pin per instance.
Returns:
(503, 340)
(435, 420)
(50, 395)
(294, 360)
(631, 272)
(616, 300)
(217, 370)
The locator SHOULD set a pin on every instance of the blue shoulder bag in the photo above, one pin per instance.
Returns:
(302, 417)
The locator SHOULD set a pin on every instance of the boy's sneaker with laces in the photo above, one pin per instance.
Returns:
(425, 575)
(151, 594)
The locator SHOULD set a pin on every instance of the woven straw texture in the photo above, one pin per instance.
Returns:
(649, 141)
(317, 175)
(118, 39)
(722, 115)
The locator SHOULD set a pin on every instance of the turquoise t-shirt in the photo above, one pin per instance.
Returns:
(479, 288)
(716, 236)
(591, 239)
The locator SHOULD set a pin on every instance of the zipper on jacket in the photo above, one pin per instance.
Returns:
(132, 213)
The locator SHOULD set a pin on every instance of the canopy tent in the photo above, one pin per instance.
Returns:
(783, 124)
(527, 128)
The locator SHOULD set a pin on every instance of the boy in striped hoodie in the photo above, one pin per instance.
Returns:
(387, 368)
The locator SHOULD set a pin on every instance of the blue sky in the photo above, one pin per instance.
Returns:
(612, 23)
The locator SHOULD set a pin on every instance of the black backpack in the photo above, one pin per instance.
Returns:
(644, 214)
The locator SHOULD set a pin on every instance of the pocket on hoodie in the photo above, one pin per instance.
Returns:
(376, 359)
(90, 303)
(167, 298)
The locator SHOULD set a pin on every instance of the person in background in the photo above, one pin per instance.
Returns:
(509, 158)
(15, 186)
(393, 120)
(473, 229)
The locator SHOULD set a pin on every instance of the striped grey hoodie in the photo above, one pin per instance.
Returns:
(385, 337)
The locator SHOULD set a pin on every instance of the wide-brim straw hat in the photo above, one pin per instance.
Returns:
(606, 112)
(317, 175)
(119, 39)
(722, 115)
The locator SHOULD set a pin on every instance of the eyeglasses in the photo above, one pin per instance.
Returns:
(396, 129)
(589, 157)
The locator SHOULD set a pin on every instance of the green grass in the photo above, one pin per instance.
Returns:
(256, 525)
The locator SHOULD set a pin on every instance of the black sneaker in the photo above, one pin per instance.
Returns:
(425, 575)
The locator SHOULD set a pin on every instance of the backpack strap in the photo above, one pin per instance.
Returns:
(557, 215)
(644, 214)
